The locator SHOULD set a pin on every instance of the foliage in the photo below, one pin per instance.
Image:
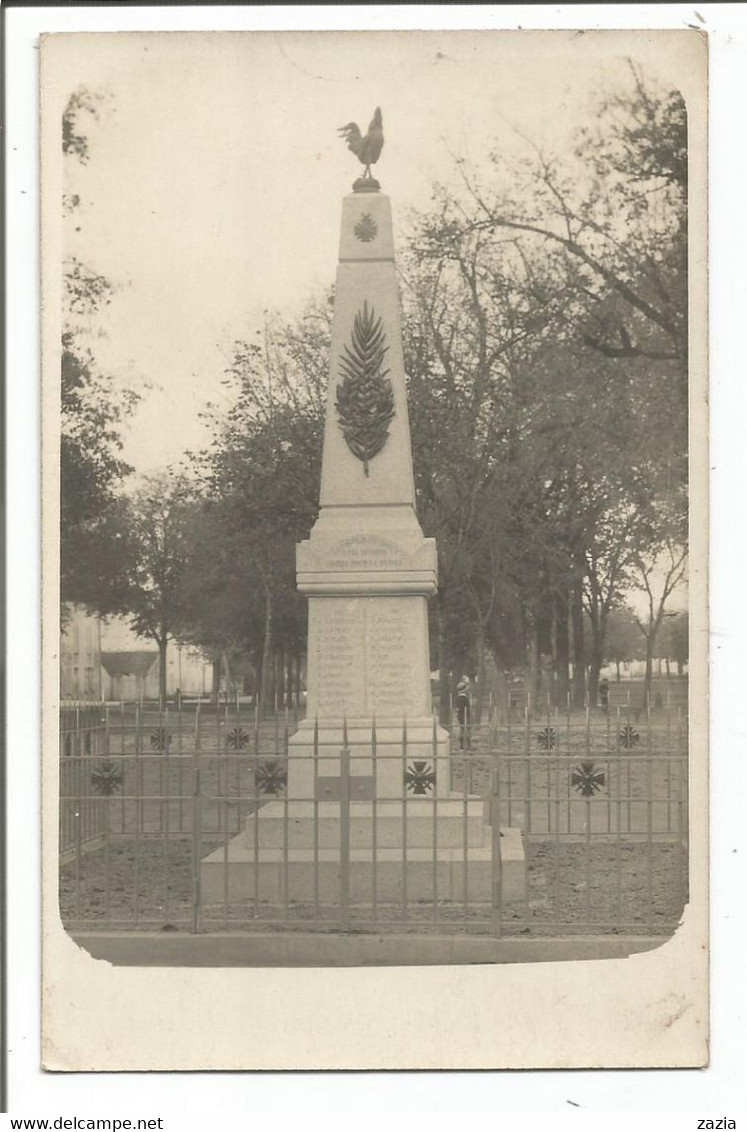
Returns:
(154, 532)
(622, 641)
(260, 482)
(91, 471)
(660, 568)
(547, 356)
(86, 292)
(674, 638)
(93, 408)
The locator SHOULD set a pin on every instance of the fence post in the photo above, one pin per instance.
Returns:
(106, 819)
(374, 821)
(434, 756)
(196, 827)
(495, 832)
(684, 815)
(345, 835)
(403, 787)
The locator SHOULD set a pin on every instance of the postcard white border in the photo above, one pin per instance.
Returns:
(23, 453)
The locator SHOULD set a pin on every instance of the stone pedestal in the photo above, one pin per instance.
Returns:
(368, 801)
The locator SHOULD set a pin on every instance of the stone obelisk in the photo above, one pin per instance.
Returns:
(366, 569)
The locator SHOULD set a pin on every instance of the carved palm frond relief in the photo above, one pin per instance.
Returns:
(365, 398)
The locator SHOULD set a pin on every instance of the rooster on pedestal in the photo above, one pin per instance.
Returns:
(368, 148)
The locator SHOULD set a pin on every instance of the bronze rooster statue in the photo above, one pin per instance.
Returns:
(368, 148)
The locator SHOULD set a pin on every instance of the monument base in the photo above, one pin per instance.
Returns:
(388, 759)
(449, 858)
(368, 810)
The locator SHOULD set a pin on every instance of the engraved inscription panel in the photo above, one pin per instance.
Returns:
(336, 678)
(368, 656)
(365, 552)
(396, 657)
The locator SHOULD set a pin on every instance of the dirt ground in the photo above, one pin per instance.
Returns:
(603, 888)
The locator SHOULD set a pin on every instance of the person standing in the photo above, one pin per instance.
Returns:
(604, 694)
(464, 713)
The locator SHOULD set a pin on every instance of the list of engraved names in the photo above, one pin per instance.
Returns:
(337, 632)
(391, 654)
(366, 658)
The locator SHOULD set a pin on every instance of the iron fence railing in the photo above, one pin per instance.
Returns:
(163, 815)
(83, 747)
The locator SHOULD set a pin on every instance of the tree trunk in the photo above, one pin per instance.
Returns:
(654, 625)
(276, 679)
(480, 697)
(531, 682)
(225, 659)
(597, 658)
(545, 667)
(266, 676)
(502, 693)
(277, 682)
(257, 679)
(579, 646)
(215, 694)
(163, 645)
(562, 657)
(444, 676)
(650, 640)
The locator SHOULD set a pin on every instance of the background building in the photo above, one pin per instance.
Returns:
(107, 660)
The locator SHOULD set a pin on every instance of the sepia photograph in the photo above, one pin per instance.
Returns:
(374, 549)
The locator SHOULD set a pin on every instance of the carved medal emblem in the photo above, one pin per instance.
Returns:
(365, 398)
(366, 229)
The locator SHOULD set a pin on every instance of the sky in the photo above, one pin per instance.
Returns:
(213, 187)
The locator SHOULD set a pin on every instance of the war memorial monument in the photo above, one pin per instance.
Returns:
(369, 814)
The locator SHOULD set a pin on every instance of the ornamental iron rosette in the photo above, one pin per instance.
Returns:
(238, 738)
(587, 780)
(365, 398)
(420, 777)
(107, 778)
(547, 738)
(160, 740)
(271, 777)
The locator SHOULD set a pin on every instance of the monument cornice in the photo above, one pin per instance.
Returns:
(362, 586)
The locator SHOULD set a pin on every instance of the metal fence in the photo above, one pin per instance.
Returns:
(83, 749)
(160, 822)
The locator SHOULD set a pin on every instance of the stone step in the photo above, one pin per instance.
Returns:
(300, 876)
(391, 832)
(423, 821)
